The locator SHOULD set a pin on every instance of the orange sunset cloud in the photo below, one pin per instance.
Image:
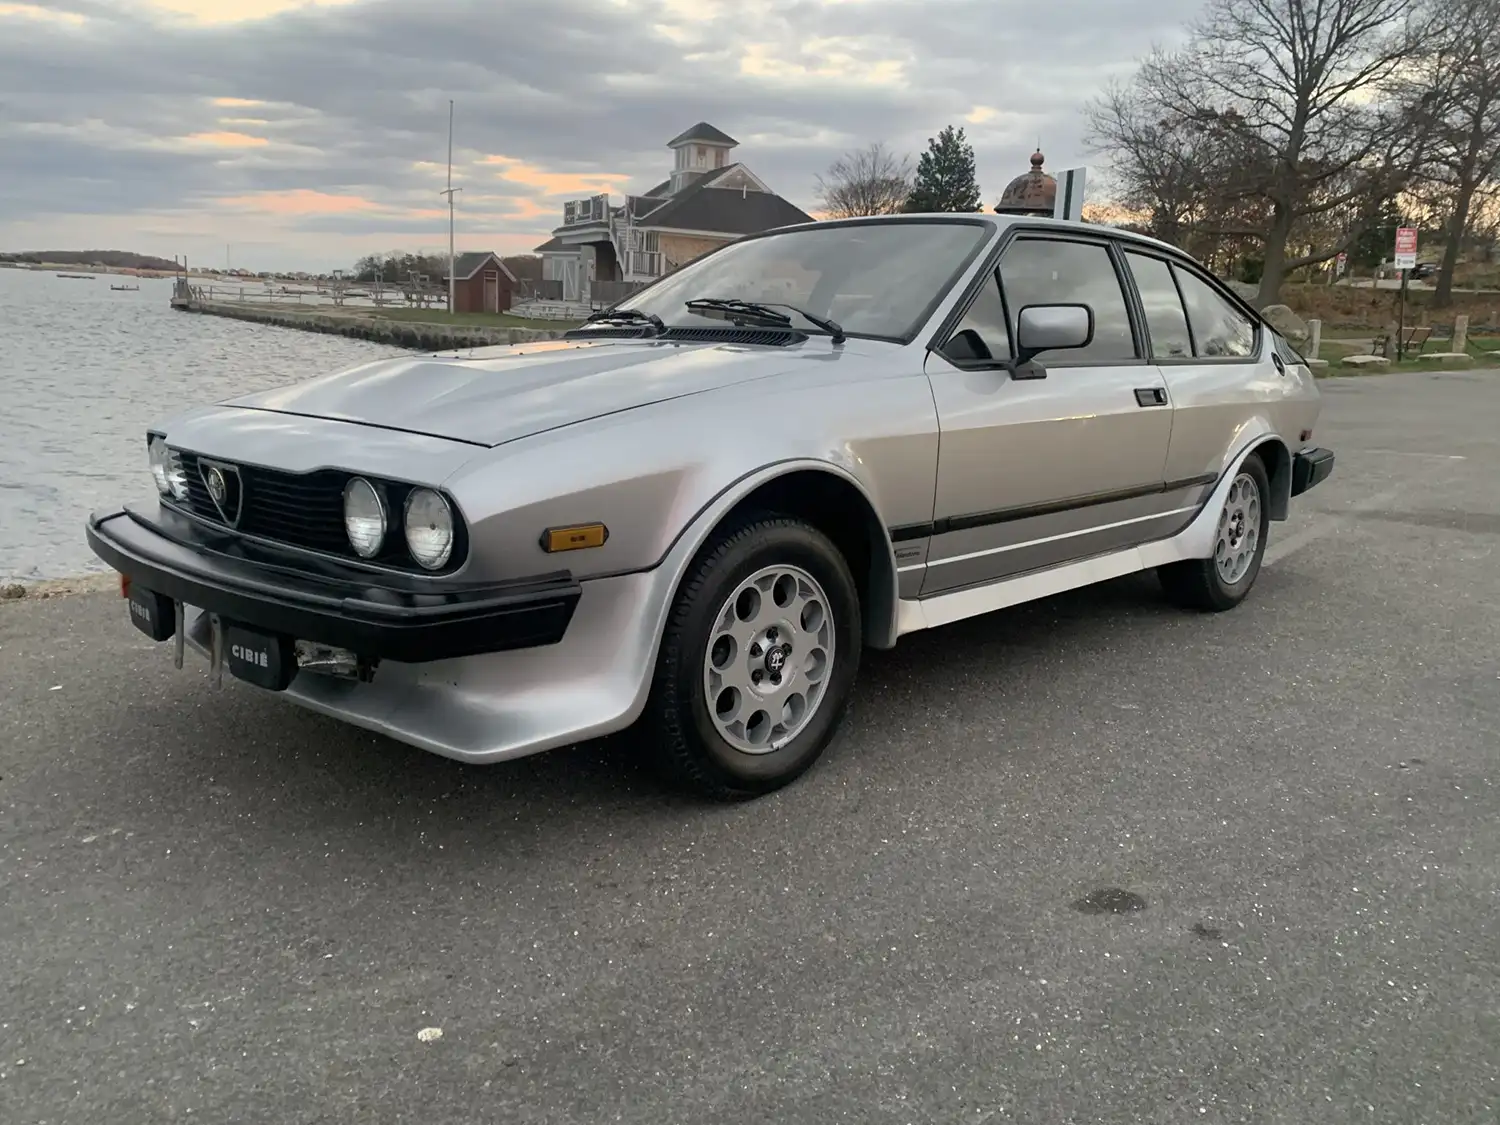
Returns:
(554, 183)
(227, 139)
(299, 201)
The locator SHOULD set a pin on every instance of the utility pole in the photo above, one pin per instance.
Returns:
(452, 281)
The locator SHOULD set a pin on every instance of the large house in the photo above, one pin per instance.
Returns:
(705, 202)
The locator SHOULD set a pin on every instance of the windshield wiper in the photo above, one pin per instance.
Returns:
(627, 316)
(765, 312)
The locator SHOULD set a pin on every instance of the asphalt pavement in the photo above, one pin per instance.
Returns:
(1093, 860)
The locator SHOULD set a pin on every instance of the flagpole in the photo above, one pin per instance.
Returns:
(452, 281)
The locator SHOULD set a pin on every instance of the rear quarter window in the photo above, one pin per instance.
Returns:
(1284, 347)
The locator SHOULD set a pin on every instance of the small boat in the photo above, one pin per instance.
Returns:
(78, 276)
(125, 288)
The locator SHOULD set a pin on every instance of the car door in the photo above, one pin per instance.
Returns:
(1041, 471)
(1211, 360)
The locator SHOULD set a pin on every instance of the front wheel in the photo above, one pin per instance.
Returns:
(758, 660)
(1222, 582)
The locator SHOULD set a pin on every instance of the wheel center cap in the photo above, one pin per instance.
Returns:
(776, 659)
(1237, 528)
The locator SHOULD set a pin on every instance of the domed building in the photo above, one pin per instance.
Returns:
(1030, 193)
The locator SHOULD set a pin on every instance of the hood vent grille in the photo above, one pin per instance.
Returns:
(612, 332)
(766, 337)
(770, 337)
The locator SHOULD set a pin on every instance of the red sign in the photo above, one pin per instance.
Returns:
(1406, 248)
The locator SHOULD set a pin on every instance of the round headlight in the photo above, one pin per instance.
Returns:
(156, 450)
(364, 518)
(429, 528)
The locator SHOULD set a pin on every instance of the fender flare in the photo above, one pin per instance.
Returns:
(880, 614)
(1196, 540)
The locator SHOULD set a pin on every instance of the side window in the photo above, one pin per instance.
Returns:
(981, 335)
(1040, 271)
(1219, 328)
(1165, 319)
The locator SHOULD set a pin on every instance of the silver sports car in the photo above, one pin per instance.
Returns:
(696, 510)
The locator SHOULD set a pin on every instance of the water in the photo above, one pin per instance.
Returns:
(84, 370)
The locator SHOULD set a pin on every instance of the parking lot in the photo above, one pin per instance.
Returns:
(1093, 860)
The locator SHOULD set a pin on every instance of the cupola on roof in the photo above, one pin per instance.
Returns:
(1030, 193)
(703, 133)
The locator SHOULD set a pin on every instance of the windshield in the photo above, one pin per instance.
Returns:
(874, 279)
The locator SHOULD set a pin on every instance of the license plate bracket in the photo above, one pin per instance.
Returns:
(266, 660)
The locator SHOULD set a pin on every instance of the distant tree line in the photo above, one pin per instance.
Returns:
(398, 266)
(111, 259)
(1281, 134)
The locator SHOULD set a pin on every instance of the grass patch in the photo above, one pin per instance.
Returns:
(471, 320)
(1484, 350)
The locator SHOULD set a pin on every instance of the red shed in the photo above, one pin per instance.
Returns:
(483, 285)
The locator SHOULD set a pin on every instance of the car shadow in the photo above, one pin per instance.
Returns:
(264, 761)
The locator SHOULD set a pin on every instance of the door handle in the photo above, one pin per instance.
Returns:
(1151, 396)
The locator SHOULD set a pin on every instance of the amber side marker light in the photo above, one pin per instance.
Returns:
(124, 586)
(577, 538)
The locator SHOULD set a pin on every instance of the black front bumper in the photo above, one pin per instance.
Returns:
(1311, 467)
(383, 617)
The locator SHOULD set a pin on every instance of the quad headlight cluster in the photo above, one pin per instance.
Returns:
(425, 517)
(427, 521)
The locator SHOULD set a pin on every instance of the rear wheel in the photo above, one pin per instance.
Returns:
(1222, 581)
(758, 660)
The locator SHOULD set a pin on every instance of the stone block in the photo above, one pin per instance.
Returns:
(1365, 361)
(1285, 321)
(1446, 359)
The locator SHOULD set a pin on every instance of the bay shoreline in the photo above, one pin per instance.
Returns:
(359, 323)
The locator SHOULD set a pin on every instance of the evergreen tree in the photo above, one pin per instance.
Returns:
(945, 179)
(1377, 242)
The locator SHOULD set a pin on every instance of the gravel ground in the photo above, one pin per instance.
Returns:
(1089, 861)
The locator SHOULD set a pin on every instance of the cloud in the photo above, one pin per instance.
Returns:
(304, 127)
(298, 201)
(226, 139)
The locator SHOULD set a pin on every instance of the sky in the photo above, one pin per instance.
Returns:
(302, 134)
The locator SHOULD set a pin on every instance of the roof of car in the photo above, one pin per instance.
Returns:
(994, 220)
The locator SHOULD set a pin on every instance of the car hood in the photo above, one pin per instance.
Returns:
(494, 395)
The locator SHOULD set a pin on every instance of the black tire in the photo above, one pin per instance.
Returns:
(1197, 583)
(684, 742)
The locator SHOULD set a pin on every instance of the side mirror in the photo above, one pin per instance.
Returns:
(1045, 328)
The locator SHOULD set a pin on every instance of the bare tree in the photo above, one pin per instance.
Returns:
(1465, 73)
(869, 181)
(1160, 164)
(1298, 103)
